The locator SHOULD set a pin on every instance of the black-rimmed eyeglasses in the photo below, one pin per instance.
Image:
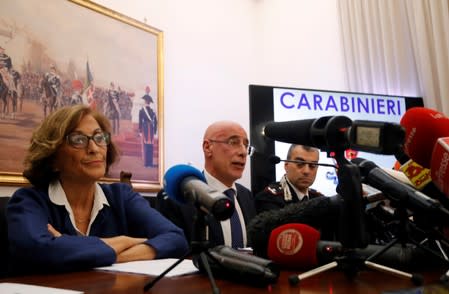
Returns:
(235, 142)
(79, 140)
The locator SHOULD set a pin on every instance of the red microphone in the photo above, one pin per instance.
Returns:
(298, 246)
(423, 127)
(294, 245)
(439, 165)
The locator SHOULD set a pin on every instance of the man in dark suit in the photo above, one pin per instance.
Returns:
(225, 148)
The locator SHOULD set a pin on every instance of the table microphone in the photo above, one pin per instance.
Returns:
(423, 127)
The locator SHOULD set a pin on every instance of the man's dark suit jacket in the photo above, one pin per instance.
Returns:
(183, 215)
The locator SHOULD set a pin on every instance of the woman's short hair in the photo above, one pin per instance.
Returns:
(48, 137)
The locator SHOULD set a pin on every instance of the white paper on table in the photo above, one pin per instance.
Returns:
(17, 288)
(153, 267)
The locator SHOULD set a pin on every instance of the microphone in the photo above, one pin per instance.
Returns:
(275, 160)
(426, 143)
(439, 166)
(331, 133)
(229, 263)
(184, 183)
(422, 179)
(298, 246)
(294, 245)
(423, 127)
(399, 192)
(320, 212)
(224, 250)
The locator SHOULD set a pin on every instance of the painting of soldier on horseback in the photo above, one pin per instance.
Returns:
(51, 91)
(41, 72)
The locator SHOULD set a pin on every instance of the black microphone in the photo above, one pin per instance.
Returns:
(332, 133)
(399, 192)
(405, 256)
(324, 132)
(229, 263)
(415, 173)
(231, 252)
(184, 183)
(319, 212)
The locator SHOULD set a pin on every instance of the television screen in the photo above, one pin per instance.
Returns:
(269, 103)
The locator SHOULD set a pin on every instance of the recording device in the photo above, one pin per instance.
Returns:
(422, 178)
(423, 127)
(184, 183)
(224, 250)
(228, 263)
(401, 193)
(321, 213)
(298, 246)
(331, 133)
(294, 246)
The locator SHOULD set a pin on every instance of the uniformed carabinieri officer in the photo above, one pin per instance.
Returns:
(294, 185)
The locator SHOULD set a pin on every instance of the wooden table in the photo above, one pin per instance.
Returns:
(333, 281)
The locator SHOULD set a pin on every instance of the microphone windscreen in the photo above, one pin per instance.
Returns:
(294, 246)
(423, 126)
(295, 132)
(173, 180)
(322, 213)
(440, 165)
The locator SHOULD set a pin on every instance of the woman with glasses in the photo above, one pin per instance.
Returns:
(67, 220)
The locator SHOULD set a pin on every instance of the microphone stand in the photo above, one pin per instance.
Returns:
(430, 233)
(352, 231)
(198, 245)
(438, 238)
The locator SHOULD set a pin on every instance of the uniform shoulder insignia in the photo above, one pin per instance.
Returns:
(274, 189)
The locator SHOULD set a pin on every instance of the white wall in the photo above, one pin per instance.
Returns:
(213, 49)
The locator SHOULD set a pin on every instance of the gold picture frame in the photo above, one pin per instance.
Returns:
(92, 49)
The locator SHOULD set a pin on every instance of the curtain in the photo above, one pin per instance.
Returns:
(397, 47)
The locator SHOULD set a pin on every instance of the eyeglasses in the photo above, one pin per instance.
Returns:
(235, 143)
(79, 140)
(303, 164)
(300, 163)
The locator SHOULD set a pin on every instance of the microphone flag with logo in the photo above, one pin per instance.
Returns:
(294, 245)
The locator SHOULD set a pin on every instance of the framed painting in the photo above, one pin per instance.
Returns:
(86, 53)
